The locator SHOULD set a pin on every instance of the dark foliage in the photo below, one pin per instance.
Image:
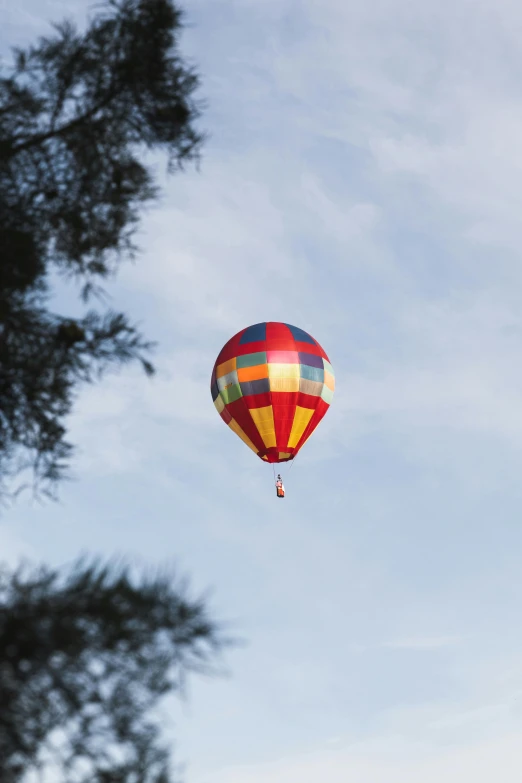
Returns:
(85, 657)
(76, 111)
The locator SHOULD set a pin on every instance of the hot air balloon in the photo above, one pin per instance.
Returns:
(272, 383)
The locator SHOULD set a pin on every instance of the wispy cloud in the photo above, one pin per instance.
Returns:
(361, 181)
(390, 759)
(13, 546)
(422, 643)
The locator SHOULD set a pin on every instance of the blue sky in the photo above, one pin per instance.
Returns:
(362, 181)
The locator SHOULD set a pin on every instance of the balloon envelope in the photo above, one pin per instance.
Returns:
(272, 383)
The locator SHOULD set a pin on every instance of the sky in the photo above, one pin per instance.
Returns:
(361, 180)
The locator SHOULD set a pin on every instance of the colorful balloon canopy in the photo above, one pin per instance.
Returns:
(272, 383)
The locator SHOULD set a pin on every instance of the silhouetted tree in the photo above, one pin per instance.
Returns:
(86, 654)
(76, 112)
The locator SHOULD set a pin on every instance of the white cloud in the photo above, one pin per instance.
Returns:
(13, 547)
(392, 760)
(422, 643)
(120, 423)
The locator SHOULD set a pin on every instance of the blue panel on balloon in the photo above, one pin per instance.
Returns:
(300, 335)
(262, 386)
(253, 334)
(311, 360)
(312, 373)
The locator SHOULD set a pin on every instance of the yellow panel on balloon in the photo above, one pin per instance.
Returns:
(225, 368)
(329, 380)
(283, 377)
(264, 421)
(276, 371)
(301, 420)
(284, 384)
(234, 426)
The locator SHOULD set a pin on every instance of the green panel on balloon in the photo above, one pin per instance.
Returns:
(328, 367)
(251, 360)
(231, 393)
(327, 395)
